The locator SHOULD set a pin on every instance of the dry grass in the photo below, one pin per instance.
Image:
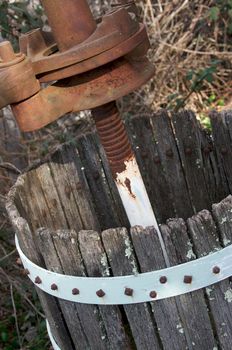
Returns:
(183, 38)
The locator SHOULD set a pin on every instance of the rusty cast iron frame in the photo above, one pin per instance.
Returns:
(94, 62)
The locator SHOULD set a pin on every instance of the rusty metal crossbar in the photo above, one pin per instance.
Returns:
(94, 63)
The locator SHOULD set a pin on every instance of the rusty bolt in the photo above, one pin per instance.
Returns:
(100, 293)
(224, 150)
(54, 286)
(129, 292)
(25, 272)
(153, 294)
(207, 150)
(188, 279)
(157, 160)
(188, 151)
(216, 270)
(19, 262)
(163, 279)
(169, 153)
(75, 291)
(79, 186)
(144, 154)
(38, 280)
(96, 175)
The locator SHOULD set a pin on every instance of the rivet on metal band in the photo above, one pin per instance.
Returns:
(132, 289)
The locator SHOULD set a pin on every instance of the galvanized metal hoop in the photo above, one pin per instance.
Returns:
(137, 288)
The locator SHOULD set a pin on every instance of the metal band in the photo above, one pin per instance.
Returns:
(132, 289)
(54, 344)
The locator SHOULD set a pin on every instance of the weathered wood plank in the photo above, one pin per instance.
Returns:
(105, 204)
(50, 306)
(72, 189)
(223, 146)
(217, 188)
(205, 240)
(188, 138)
(96, 264)
(171, 163)
(147, 155)
(222, 213)
(118, 206)
(67, 247)
(149, 253)
(195, 319)
(77, 316)
(48, 251)
(122, 261)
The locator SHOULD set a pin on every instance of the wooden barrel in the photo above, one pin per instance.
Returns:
(69, 219)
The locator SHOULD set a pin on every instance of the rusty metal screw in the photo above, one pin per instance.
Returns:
(207, 149)
(129, 292)
(54, 286)
(153, 294)
(113, 135)
(96, 175)
(157, 160)
(75, 291)
(188, 151)
(188, 279)
(169, 153)
(38, 280)
(19, 262)
(25, 272)
(100, 293)
(216, 270)
(224, 150)
(144, 154)
(163, 279)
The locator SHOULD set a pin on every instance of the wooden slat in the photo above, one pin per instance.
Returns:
(72, 189)
(189, 145)
(205, 239)
(122, 261)
(106, 205)
(60, 252)
(171, 163)
(195, 318)
(108, 178)
(148, 251)
(222, 213)
(50, 306)
(96, 264)
(148, 158)
(217, 188)
(223, 145)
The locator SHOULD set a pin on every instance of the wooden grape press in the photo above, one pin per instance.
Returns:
(98, 223)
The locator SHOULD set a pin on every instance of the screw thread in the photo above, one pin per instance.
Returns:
(113, 136)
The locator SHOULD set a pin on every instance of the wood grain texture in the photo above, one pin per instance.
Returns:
(106, 201)
(195, 318)
(150, 257)
(122, 261)
(206, 240)
(189, 145)
(50, 306)
(223, 144)
(172, 165)
(96, 264)
(150, 164)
